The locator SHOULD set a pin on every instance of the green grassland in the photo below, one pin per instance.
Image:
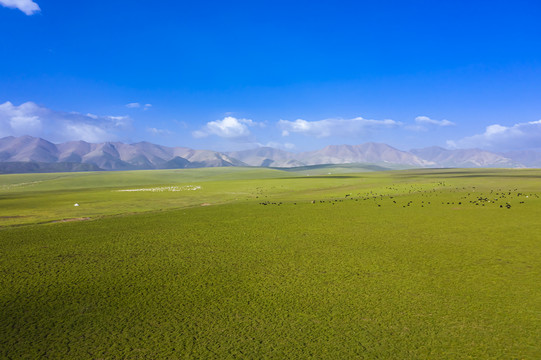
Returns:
(410, 264)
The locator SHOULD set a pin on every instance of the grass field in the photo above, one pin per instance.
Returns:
(411, 264)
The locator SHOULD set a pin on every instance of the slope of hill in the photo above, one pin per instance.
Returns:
(27, 148)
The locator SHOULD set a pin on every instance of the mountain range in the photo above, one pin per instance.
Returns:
(30, 154)
(109, 155)
(383, 154)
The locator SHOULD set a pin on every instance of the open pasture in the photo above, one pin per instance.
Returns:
(405, 264)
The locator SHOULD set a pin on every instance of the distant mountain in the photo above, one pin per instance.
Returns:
(29, 154)
(206, 158)
(529, 158)
(27, 148)
(73, 150)
(267, 157)
(104, 156)
(364, 153)
(333, 154)
(176, 163)
(464, 158)
(383, 155)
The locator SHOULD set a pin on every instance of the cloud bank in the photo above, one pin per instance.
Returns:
(520, 136)
(57, 126)
(333, 127)
(26, 6)
(229, 128)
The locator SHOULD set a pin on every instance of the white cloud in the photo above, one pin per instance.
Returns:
(500, 138)
(136, 105)
(35, 120)
(119, 121)
(427, 120)
(158, 132)
(277, 145)
(229, 128)
(333, 127)
(26, 6)
(86, 132)
(198, 134)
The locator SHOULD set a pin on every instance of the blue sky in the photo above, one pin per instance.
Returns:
(299, 75)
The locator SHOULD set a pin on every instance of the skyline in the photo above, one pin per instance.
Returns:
(292, 76)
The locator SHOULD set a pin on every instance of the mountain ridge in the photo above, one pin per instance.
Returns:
(17, 151)
(109, 155)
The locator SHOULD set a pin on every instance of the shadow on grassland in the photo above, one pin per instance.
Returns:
(501, 176)
(319, 177)
(458, 174)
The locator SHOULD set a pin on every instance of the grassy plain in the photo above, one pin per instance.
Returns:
(419, 264)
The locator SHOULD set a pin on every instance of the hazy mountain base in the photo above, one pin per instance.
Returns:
(330, 169)
(323, 169)
(38, 167)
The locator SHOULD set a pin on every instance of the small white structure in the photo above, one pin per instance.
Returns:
(76, 204)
